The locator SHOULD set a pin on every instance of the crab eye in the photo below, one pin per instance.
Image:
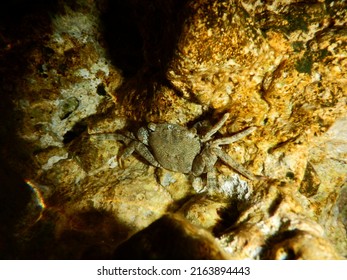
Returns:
(142, 135)
(152, 126)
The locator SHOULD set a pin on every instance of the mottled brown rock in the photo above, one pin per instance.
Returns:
(278, 226)
(171, 237)
(95, 68)
(296, 245)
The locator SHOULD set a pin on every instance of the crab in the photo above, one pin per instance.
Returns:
(179, 149)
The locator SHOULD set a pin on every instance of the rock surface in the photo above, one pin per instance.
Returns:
(99, 67)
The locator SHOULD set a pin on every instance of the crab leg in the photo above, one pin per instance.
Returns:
(211, 179)
(133, 146)
(215, 128)
(204, 162)
(113, 137)
(142, 150)
(234, 138)
(233, 164)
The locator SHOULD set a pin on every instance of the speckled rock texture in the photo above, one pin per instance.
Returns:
(75, 73)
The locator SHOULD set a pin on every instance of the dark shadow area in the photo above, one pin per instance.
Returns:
(169, 238)
(14, 196)
(142, 35)
(122, 35)
(25, 26)
(91, 234)
(141, 38)
(15, 11)
(228, 216)
(20, 22)
(281, 237)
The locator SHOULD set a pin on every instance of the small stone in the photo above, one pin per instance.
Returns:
(166, 177)
(67, 107)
